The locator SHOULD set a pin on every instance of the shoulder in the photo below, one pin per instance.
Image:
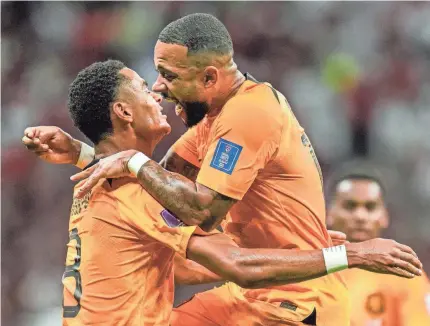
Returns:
(253, 108)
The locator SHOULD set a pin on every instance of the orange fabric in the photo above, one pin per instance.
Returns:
(227, 305)
(387, 300)
(186, 147)
(121, 251)
(277, 180)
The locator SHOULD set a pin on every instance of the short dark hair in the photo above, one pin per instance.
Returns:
(199, 33)
(91, 95)
(356, 170)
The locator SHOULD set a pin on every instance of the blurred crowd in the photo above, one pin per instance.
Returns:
(355, 73)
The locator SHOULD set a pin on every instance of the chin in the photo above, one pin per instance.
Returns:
(166, 129)
(359, 237)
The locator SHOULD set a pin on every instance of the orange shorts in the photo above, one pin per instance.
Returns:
(226, 306)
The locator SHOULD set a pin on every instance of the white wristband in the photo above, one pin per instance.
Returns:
(335, 258)
(86, 156)
(136, 162)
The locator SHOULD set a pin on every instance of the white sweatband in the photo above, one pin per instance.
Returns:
(86, 156)
(136, 162)
(335, 258)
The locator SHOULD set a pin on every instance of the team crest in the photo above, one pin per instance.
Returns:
(226, 156)
(375, 304)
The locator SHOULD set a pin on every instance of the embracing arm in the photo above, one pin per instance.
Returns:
(190, 201)
(189, 272)
(255, 268)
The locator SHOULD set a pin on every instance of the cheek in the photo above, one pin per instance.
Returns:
(344, 218)
(185, 92)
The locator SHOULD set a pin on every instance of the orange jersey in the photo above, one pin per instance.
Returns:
(256, 152)
(386, 300)
(120, 257)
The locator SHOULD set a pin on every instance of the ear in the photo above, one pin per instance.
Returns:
(123, 111)
(210, 76)
(385, 219)
(329, 219)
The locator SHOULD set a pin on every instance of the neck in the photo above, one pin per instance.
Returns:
(110, 146)
(231, 83)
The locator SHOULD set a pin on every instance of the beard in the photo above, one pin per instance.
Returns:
(195, 112)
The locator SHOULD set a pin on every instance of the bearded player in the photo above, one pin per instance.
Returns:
(119, 265)
(357, 207)
(257, 174)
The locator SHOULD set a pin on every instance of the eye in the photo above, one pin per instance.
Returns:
(371, 206)
(167, 76)
(349, 205)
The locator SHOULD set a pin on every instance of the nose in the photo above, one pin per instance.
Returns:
(159, 86)
(360, 214)
(157, 97)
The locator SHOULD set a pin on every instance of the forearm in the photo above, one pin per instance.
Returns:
(175, 192)
(257, 268)
(254, 268)
(189, 272)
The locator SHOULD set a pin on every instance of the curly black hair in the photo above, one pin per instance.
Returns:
(199, 33)
(91, 95)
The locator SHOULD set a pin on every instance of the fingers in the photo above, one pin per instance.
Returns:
(337, 235)
(407, 267)
(31, 132)
(90, 183)
(34, 144)
(400, 272)
(84, 174)
(405, 248)
(94, 174)
(409, 258)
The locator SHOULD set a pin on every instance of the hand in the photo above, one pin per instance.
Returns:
(52, 144)
(384, 256)
(114, 166)
(337, 237)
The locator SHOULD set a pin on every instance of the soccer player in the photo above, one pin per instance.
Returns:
(357, 207)
(256, 173)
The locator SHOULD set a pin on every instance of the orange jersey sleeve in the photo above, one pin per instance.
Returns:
(245, 136)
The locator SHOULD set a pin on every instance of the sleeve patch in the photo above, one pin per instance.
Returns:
(170, 219)
(226, 156)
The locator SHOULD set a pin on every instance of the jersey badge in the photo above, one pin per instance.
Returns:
(226, 156)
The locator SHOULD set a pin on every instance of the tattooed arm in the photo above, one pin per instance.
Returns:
(190, 201)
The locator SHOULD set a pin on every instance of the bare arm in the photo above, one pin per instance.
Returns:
(255, 268)
(189, 272)
(191, 202)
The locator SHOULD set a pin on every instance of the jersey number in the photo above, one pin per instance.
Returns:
(71, 275)
(306, 142)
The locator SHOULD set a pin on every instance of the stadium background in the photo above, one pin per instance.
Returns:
(357, 75)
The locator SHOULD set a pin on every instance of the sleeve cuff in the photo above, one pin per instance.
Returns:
(223, 189)
(187, 232)
(86, 156)
(186, 155)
